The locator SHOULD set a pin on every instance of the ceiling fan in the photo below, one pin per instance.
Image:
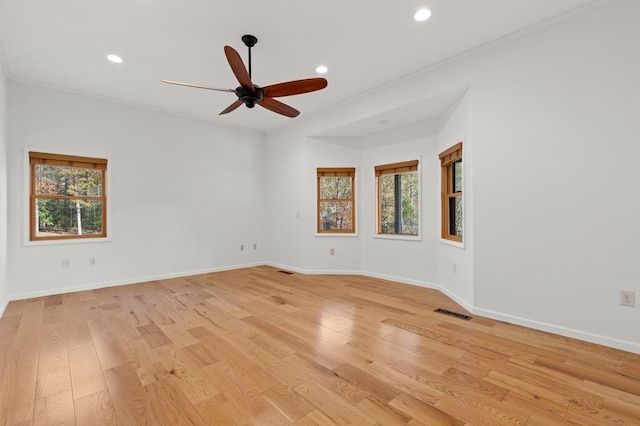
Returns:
(251, 94)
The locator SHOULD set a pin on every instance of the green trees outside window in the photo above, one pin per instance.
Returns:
(67, 197)
(452, 194)
(336, 195)
(398, 201)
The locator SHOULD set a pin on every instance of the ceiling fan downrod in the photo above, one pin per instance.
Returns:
(249, 41)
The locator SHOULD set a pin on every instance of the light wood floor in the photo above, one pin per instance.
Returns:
(260, 347)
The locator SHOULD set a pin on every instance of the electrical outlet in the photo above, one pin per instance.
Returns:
(628, 298)
(66, 263)
(454, 268)
(332, 251)
(241, 247)
(255, 246)
(92, 261)
(297, 215)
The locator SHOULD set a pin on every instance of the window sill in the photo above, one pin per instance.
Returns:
(452, 243)
(398, 237)
(337, 234)
(59, 242)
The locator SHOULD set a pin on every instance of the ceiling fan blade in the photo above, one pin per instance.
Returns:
(279, 107)
(294, 87)
(238, 68)
(231, 107)
(197, 86)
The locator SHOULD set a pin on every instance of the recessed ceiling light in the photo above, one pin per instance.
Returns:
(422, 15)
(115, 59)
(322, 69)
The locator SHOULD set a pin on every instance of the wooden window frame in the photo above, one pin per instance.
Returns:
(72, 161)
(393, 169)
(336, 172)
(448, 158)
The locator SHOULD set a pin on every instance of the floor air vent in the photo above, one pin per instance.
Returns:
(286, 272)
(453, 314)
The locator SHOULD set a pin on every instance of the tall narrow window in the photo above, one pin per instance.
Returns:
(67, 197)
(452, 201)
(336, 195)
(398, 210)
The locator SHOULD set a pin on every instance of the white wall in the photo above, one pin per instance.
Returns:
(184, 194)
(3, 191)
(455, 264)
(292, 160)
(550, 132)
(403, 259)
(555, 154)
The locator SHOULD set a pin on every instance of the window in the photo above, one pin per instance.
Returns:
(336, 195)
(397, 198)
(67, 197)
(452, 201)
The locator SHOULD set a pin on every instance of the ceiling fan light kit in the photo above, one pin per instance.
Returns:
(251, 94)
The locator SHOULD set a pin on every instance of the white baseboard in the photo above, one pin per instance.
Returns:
(416, 283)
(560, 330)
(94, 286)
(311, 271)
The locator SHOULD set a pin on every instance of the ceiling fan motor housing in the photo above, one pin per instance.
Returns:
(250, 97)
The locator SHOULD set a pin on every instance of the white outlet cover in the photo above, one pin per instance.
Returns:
(628, 298)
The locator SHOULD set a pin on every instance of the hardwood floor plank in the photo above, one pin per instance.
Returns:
(17, 399)
(362, 380)
(86, 373)
(178, 337)
(426, 413)
(191, 379)
(289, 403)
(382, 412)
(53, 349)
(167, 405)
(607, 378)
(243, 395)
(332, 406)
(78, 334)
(127, 395)
(52, 383)
(55, 409)
(217, 410)
(107, 345)
(419, 389)
(15, 307)
(95, 409)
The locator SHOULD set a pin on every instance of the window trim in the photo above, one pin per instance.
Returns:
(397, 169)
(336, 172)
(447, 160)
(58, 158)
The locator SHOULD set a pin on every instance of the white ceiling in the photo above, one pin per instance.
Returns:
(364, 43)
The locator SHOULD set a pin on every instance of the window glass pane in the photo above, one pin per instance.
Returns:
(335, 215)
(387, 204)
(58, 217)
(456, 215)
(335, 188)
(399, 205)
(409, 218)
(74, 181)
(457, 176)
